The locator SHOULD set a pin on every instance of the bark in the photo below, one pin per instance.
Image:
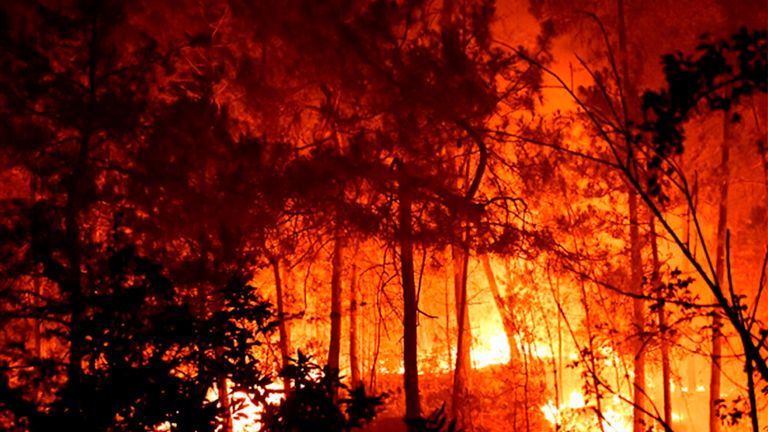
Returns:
(717, 322)
(354, 361)
(335, 343)
(410, 307)
(507, 318)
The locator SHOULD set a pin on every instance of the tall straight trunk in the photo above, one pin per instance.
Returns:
(336, 270)
(448, 335)
(72, 284)
(334, 347)
(410, 307)
(463, 334)
(592, 367)
(282, 326)
(663, 342)
(354, 361)
(73, 287)
(507, 319)
(636, 264)
(636, 277)
(717, 322)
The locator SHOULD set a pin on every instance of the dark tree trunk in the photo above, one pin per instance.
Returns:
(354, 361)
(663, 342)
(282, 326)
(717, 321)
(636, 264)
(334, 348)
(222, 387)
(410, 307)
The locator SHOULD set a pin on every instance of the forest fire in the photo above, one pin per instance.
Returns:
(383, 215)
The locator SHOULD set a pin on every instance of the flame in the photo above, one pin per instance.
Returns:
(490, 350)
(247, 417)
(494, 349)
(577, 415)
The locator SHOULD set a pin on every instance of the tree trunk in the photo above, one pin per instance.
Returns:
(354, 362)
(636, 264)
(37, 285)
(636, 269)
(507, 319)
(335, 343)
(717, 323)
(592, 361)
(463, 333)
(222, 387)
(663, 342)
(73, 287)
(282, 326)
(410, 307)
(448, 336)
(72, 284)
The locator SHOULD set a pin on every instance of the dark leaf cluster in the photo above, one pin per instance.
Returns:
(313, 403)
(715, 78)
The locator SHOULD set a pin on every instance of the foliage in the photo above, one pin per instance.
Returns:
(311, 404)
(437, 421)
(148, 361)
(716, 78)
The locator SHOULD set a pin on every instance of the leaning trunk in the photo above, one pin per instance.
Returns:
(507, 319)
